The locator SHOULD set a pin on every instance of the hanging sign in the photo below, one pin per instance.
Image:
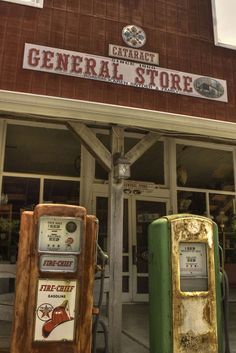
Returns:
(55, 310)
(125, 53)
(124, 72)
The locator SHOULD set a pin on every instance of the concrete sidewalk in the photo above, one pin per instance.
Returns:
(135, 330)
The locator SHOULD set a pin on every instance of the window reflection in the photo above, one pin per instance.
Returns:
(192, 202)
(206, 168)
(222, 209)
(61, 191)
(41, 151)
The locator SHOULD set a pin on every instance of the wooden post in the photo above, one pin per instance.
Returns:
(20, 336)
(87, 176)
(115, 249)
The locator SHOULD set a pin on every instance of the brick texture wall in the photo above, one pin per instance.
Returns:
(180, 31)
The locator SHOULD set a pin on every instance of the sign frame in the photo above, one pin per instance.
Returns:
(123, 72)
(69, 266)
(41, 246)
(42, 327)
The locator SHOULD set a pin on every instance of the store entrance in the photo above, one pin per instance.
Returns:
(139, 212)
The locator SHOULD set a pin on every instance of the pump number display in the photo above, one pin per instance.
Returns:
(59, 234)
(192, 259)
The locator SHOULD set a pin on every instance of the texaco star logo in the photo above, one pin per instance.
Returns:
(44, 311)
(134, 36)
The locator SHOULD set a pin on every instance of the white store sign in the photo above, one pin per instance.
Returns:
(124, 72)
(55, 310)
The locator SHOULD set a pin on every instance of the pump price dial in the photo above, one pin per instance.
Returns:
(59, 234)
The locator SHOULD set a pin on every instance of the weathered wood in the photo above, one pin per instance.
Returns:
(115, 249)
(92, 143)
(20, 334)
(88, 282)
(27, 281)
(87, 178)
(142, 146)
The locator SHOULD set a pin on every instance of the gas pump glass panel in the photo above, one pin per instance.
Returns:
(193, 267)
(59, 234)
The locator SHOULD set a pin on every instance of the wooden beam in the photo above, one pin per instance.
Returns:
(115, 216)
(92, 143)
(86, 179)
(142, 146)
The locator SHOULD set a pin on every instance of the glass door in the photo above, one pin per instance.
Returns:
(145, 210)
(139, 212)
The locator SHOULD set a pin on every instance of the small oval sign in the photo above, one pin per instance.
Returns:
(208, 87)
(134, 36)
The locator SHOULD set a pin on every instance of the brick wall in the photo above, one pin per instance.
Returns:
(180, 31)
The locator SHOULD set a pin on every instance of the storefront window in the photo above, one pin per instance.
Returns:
(22, 193)
(206, 168)
(18, 194)
(41, 151)
(61, 191)
(192, 202)
(150, 166)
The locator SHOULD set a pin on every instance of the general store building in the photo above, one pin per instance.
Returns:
(76, 95)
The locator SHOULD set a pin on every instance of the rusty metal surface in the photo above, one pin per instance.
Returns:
(194, 313)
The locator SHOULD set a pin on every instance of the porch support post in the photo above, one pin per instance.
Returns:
(115, 225)
(87, 175)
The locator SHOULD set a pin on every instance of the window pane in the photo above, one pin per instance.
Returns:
(41, 151)
(205, 168)
(142, 285)
(222, 209)
(150, 166)
(192, 202)
(125, 284)
(22, 193)
(61, 191)
(126, 263)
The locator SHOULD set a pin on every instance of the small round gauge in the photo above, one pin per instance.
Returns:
(193, 226)
(71, 227)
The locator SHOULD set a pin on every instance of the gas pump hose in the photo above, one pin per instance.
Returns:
(97, 319)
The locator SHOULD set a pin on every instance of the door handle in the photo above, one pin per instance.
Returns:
(134, 255)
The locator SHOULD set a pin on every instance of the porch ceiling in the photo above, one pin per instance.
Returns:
(61, 110)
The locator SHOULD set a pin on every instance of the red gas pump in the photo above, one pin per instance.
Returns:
(54, 282)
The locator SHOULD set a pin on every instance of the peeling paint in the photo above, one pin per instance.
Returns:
(194, 312)
(192, 343)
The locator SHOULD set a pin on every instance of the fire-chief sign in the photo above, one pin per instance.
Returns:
(55, 310)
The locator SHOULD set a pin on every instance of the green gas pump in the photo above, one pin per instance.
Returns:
(185, 294)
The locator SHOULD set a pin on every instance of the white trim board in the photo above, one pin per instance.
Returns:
(63, 109)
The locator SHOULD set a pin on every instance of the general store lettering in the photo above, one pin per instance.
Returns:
(56, 61)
